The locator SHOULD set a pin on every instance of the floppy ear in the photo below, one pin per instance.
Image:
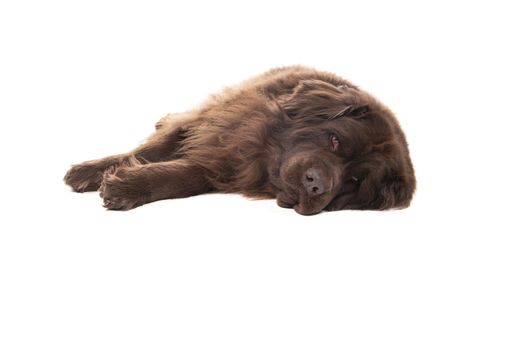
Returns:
(312, 99)
(394, 193)
(353, 111)
(379, 189)
(307, 85)
(376, 195)
(315, 98)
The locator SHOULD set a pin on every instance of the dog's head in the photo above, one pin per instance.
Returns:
(343, 150)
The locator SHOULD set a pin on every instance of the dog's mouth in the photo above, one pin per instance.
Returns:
(303, 210)
(303, 205)
(284, 200)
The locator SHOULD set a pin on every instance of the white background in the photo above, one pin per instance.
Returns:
(82, 80)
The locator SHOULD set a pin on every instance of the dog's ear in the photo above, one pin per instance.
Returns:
(390, 182)
(353, 111)
(378, 184)
(394, 192)
(313, 99)
(318, 99)
(376, 194)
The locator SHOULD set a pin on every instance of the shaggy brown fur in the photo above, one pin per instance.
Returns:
(311, 139)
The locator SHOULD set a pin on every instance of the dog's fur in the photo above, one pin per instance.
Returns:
(311, 139)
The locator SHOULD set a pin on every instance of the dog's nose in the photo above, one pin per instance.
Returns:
(313, 182)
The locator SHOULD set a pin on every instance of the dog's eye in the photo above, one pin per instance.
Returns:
(333, 139)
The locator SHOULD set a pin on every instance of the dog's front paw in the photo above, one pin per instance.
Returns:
(124, 189)
(84, 177)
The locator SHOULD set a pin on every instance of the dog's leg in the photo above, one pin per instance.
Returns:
(125, 188)
(161, 146)
(87, 176)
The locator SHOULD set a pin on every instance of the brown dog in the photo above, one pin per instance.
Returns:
(311, 139)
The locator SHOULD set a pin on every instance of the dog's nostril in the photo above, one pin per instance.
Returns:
(313, 182)
(311, 175)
